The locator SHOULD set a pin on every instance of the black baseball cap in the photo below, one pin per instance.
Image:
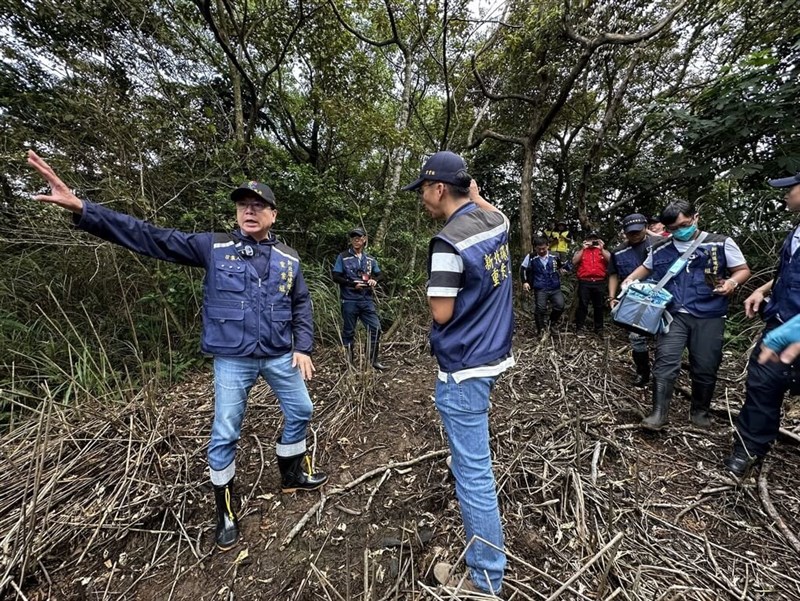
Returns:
(785, 182)
(591, 235)
(444, 166)
(357, 231)
(635, 222)
(254, 188)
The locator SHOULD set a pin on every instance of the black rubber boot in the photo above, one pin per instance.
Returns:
(555, 320)
(374, 354)
(296, 474)
(740, 462)
(642, 361)
(701, 403)
(227, 525)
(539, 320)
(662, 396)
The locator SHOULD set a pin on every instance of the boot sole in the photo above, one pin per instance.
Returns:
(299, 488)
(229, 547)
(653, 428)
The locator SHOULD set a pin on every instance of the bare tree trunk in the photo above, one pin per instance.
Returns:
(399, 154)
(238, 111)
(526, 199)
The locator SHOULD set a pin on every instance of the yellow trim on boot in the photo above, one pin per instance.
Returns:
(308, 466)
(228, 503)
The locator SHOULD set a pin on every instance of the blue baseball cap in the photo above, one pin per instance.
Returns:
(785, 182)
(253, 188)
(444, 166)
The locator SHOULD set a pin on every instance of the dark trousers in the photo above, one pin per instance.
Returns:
(767, 385)
(363, 309)
(594, 293)
(702, 336)
(542, 297)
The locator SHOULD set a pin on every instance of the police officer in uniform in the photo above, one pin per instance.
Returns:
(256, 321)
(541, 271)
(625, 258)
(700, 292)
(469, 294)
(769, 381)
(357, 274)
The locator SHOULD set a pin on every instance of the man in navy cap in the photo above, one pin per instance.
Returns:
(357, 274)
(469, 294)
(625, 258)
(769, 381)
(256, 321)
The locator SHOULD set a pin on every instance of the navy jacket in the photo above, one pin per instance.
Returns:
(626, 258)
(693, 287)
(480, 330)
(349, 268)
(539, 276)
(784, 302)
(245, 313)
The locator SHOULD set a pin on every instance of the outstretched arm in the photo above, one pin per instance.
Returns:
(60, 194)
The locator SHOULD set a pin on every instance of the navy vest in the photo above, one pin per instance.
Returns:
(244, 314)
(355, 269)
(693, 288)
(480, 330)
(784, 302)
(543, 277)
(626, 259)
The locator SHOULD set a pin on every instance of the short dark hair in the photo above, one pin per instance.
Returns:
(675, 209)
(457, 191)
(540, 241)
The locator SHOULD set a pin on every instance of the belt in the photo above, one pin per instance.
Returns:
(592, 279)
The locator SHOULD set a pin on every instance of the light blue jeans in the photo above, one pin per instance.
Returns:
(464, 409)
(233, 379)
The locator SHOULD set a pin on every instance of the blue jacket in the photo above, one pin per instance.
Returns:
(480, 330)
(626, 258)
(349, 268)
(245, 313)
(784, 302)
(693, 288)
(539, 276)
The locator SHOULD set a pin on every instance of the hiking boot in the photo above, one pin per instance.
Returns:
(461, 584)
(662, 396)
(373, 356)
(227, 534)
(641, 359)
(701, 403)
(740, 463)
(296, 474)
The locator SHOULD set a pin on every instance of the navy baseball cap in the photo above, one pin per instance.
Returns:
(253, 188)
(785, 182)
(635, 222)
(444, 166)
(357, 232)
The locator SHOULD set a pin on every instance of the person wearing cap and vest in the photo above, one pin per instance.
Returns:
(700, 293)
(256, 321)
(769, 375)
(357, 274)
(541, 272)
(469, 294)
(624, 259)
(591, 267)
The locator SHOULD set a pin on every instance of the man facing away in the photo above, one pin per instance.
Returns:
(768, 381)
(469, 294)
(357, 274)
(256, 321)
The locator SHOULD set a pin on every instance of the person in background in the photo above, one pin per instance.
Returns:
(357, 274)
(591, 268)
(700, 294)
(541, 272)
(655, 227)
(256, 322)
(559, 238)
(469, 294)
(624, 260)
(770, 376)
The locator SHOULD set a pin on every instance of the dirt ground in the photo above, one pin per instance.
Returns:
(593, 507)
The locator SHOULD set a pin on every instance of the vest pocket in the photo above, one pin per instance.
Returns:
(281, 322)
(230, 276)
(224, 326)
